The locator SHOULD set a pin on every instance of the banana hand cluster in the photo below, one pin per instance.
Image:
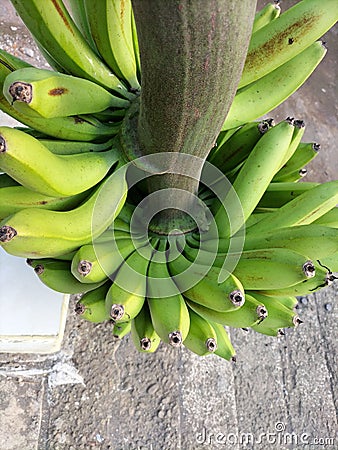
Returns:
(65, 205)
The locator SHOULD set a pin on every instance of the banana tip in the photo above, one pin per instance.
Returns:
(7, 233)
(21, 91)
(175, 339)
(116, 312)
(211, 345)
(84, 267)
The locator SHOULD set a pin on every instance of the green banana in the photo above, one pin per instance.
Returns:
(91, 306)
(279, 316)
(85, 128)
(53, 94)
(272, 268)
(237, 148)
(208, 286)
(56, 275)
(202, 338)
(126, 295)
(15, 198)
(315, 241)
(79, 15)
(304, 153)
(262, 164)
(29, 162)
(51, 25)
(63, 147)
(34, 232)
(278, 194)
(121, 329)
(302, 210)
(265, 94)
(98, 261)
(168, 310)
(283, 39)
(266, 15)
(143, 334)
(250, 313)
(224, 347)
(110, 22)
(136, 46)
(329, 219)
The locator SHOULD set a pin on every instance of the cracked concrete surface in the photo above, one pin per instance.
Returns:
(97, 393)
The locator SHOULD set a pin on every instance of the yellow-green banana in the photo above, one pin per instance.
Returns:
(51, 25)
(254, 177)
(329, 219)
(34, 232)
(314, 241)
(64, 147)
(143, 334)
(29, 162)
(15, 198)
(209, 286)
(121, 329)
(110, 22)
(56, 274)
(95, 262)
(250, 313)
(278, 194)
(126, 295)
(266, 15)
(168, 310)
(283, 39)
(302, 210)
(54, 94)
(202, 338)
(91, 306)
(265, 94)
(224, 347)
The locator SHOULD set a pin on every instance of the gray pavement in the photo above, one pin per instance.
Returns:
(97, 393)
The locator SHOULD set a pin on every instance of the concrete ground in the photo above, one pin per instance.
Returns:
(97, 393)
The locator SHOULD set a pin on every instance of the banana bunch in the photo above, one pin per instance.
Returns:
(66, 206)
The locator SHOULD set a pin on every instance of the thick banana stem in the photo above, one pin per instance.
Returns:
(192, 56)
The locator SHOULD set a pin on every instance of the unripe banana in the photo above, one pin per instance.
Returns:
(77, 128)
(314, 241)
(250, 313)
(56, 274)
(63, 147)
(145, 338)
(169, 313)
(91, 306)
(224, 347)
(54, 94)
(304, 153)
(237, 148)
(29, 162)
(34, 232)
(126, 295)
(329, 219)
(121, 329)
(278, 267)
(279, 316)
(202, 338)
(303, 210)
(283, 39)
(266, 15)
(79, 15)
(262, 164)
(15, 198)
(110, 22)
(207, 286)
(51, 25)
(278, 194)
(265, 94)
(95, 262)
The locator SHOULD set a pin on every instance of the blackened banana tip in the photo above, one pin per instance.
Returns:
(7, 233)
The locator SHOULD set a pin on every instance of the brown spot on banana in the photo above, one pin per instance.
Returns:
(57, 91)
